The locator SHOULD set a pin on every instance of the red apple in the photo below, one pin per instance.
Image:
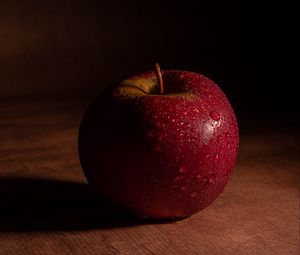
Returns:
(160, 144)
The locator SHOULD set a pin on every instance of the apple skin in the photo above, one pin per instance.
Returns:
(160, 156)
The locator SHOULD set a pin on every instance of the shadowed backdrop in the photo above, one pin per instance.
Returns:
(64, 49)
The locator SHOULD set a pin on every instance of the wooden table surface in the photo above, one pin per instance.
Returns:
(46, 206)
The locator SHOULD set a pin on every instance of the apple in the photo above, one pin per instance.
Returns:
(161, 144)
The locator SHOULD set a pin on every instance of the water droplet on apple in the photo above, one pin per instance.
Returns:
(220, 138)
(214, 115)
(177, 179)
(183, 169)
(194, 194)
(229, 146)
(211, 180)
(212, 141)
(216, 157)
(206, 94)
(199, 177)
(204, 179)
(186, 125)
(207, 155)
(183, 188)
(179, 136)
(227, 135)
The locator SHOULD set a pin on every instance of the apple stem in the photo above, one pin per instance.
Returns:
(159, 78)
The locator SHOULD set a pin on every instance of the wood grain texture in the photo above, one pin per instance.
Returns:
(46, 206)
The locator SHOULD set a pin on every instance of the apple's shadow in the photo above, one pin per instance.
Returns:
(46, 205)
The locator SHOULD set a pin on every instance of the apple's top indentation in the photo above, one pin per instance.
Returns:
(158, 83)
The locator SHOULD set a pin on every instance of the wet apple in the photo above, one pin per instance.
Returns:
(161, 144)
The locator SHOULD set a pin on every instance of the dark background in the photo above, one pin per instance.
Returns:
(56, 55)
(68, 49)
